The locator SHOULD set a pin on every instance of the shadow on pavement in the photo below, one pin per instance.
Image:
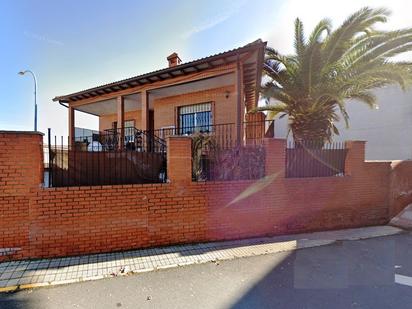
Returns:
(359, 274)
(14, 300)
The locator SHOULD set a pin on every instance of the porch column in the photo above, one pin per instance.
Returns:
(71, 126)
(145, 110)
(242, 99)
(238, 92)
(120, 120)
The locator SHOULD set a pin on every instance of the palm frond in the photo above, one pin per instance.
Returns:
(357, 23)
(299, 38)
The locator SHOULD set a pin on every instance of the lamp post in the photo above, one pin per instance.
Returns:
(35, 95)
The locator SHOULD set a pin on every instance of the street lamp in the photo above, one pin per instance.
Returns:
(35, 95)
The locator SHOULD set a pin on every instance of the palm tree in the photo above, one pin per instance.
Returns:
(329, 68)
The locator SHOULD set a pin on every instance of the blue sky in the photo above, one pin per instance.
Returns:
(74, 45)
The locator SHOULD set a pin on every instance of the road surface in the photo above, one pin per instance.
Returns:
(373, 273)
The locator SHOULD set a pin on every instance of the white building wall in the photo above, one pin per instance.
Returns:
(387, 130)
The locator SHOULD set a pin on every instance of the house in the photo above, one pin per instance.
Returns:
(209, 94)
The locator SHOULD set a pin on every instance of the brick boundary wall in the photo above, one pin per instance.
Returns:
(47, 222)
(21, 174)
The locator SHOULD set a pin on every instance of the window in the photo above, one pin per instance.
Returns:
(195, 118)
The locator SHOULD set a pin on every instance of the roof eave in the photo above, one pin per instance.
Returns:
(257, 44)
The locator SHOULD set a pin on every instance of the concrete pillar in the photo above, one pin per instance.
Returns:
(179, 159)
(120, 120)
(71, 123)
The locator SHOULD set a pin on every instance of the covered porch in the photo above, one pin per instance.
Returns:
(182, 108)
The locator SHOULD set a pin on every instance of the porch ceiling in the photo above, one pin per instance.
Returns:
(108, 107)
(133, 102)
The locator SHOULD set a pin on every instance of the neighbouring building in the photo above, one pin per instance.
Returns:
(387, 129)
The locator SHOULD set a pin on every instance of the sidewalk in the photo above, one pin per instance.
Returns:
(404, 219)
(46, 272)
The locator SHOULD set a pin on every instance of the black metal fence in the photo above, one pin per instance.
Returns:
(102, 162)
(229, 151)
(314, 159)
(237, 163)
(133, 139)
(129, 155)
(224, 134)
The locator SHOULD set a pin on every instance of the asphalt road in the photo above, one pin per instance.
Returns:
(350, 274)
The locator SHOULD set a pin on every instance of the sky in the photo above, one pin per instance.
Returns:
(73, 45)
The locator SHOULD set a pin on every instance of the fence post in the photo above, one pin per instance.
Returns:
(49, 165)
(275, 155)
(179, 158)
(355, 156)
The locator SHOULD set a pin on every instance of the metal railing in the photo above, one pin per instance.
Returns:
(227, 156)
(225, 135)
(217, 154)
(314, 159)
(101, 162)
(237, 163)
(133, 139)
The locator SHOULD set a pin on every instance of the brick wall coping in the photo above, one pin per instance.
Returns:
(179, 137)
(22, 132)
(194, 183)
(394, 163)
(224, 182)
(104, 187)
(355, 141)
